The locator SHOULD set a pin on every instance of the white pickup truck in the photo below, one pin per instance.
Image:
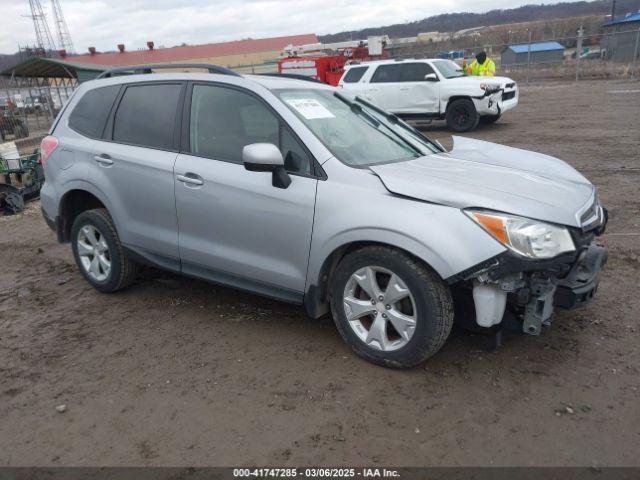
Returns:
(418, 89)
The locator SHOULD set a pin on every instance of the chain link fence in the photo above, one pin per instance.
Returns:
(28, 107)
(612, 55)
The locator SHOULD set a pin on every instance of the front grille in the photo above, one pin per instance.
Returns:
(508, 96)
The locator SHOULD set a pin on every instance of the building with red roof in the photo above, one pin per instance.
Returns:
(237, 53)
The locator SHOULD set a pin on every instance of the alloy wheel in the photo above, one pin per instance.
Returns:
(94, 253)
(380, 308)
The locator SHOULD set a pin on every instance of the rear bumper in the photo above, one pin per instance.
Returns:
(54, 224)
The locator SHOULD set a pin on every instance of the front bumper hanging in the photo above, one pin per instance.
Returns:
(533, 289)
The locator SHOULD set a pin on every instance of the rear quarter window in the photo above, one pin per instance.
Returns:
(354, 74)
(90, 113)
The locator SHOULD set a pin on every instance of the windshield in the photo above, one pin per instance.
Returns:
(448, 69)
(350, 132)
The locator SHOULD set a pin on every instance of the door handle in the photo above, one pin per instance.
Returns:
(190, 180)
(103, 159)
(404, 88)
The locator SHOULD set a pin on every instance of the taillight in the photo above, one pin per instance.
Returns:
(47, 146)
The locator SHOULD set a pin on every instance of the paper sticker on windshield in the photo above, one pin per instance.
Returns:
(310, 108)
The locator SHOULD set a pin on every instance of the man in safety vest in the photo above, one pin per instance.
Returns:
(481, 66)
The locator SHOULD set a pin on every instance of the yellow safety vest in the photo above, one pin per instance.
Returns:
(487, 69)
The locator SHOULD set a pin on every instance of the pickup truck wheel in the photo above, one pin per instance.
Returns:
(462, 115)
(390, 308)
(98, 252)
(489, 119)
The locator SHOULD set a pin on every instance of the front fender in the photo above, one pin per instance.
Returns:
(353, 206)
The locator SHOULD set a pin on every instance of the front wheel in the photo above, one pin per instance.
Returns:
(390, 308)
(98, 252)
(462, 115)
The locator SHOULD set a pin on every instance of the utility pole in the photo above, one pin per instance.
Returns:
(64, 37)
(579, 51)
(529, 57)
(43, 34)
(613, 9)
(635, 54)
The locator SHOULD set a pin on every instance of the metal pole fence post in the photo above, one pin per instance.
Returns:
(529, 58)
(579, 52)
(635, 54)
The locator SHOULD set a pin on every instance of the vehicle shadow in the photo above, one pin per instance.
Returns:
(272, 317)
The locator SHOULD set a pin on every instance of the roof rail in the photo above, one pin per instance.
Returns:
(295, 76)
(132, 69)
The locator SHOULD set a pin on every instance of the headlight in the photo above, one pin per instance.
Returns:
(490, 86)
(529, 238)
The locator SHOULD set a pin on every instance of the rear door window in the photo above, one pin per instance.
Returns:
(387, 74)
(414, 72)
(90, 114)
(146, 115)
(354, 74)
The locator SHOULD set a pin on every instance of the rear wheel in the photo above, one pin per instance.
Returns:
(98, 252)
(489, 119)
(391, 309)
(462, 115)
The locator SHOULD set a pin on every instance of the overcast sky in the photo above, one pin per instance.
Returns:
(104, 24)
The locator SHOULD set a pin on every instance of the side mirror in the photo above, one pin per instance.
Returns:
(266, 157)
(431, 77)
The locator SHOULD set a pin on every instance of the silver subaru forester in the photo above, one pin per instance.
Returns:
(294, 190)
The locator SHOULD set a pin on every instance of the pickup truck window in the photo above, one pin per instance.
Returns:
(354, 74)
(353, 135)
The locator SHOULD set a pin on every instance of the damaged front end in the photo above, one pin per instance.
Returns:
(524, 290)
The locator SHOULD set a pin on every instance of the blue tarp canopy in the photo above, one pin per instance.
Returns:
(629, 17)
(536, 47)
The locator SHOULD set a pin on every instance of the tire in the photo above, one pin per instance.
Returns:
(429, 298)
(489, 119)
(11, 200)
(462, 115)
(122, 270)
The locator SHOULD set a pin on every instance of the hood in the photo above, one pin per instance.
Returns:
(477, 80)
(494, 177)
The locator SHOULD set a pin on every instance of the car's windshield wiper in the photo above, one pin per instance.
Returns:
(397, 121)
(359, 110)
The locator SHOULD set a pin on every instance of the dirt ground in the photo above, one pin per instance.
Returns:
(176, 371)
